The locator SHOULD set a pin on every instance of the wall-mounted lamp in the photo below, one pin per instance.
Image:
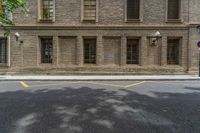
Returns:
(155, 38)
(17, 35)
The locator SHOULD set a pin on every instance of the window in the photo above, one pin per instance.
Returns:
(47, 10)
(133, 9)
(46, 50)
(133, 51)
(89, 9)
(173, 9)
(4, 9)
(90, 51)
(3, 50)
(173, 51)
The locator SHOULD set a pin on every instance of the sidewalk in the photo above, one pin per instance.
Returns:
(100, 78)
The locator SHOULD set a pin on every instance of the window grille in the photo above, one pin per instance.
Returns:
(173, 9)
(89, 10)
(90, 51)
(133, 9)
(173, 51)
(47, 9)
(46, 50)
(133, 51)
(3, 50)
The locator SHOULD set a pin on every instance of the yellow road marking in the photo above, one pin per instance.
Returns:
(97, 83)
(131, 85)
(25, 85)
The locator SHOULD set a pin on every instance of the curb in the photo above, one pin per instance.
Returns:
(196, 79)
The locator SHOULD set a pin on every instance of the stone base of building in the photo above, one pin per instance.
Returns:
(99, 70)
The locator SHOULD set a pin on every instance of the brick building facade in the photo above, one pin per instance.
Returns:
(104, 35)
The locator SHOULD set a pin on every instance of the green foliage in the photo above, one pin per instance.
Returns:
(8, 7)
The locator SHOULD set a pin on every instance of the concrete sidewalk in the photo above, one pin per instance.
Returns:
(100, 78)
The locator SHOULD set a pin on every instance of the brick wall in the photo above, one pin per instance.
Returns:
(111, 32)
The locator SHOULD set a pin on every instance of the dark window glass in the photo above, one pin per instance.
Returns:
(173, 9)
(90, 51)
(47, 9)
(133, 9)
(133, 51)
(173, 51)
(3, 50)
(46, 50)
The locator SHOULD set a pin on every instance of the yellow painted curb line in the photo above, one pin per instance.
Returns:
(25, 85)
(131, 85)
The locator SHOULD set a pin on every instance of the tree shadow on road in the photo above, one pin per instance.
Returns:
(87, 110)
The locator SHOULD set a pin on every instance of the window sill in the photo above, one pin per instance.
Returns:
(89, 21)
(174, 21)
(3, 65)
(46, 21)
(46, 64)
(133, 21)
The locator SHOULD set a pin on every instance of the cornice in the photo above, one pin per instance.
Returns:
(117, 27)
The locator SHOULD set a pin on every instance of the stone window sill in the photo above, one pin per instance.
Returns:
(133, 21)
(174, 21)
(46, 21)
(88, 21)
(3, 65)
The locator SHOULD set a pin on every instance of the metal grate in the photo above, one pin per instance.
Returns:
(89, 9)
(47, 9)
(46, 50)
(133, 9)
(3, 50)
(173, 51)
(133, 51)
(173, 9)
(90, 51)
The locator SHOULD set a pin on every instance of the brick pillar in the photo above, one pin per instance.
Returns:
(164, 51)
(55, 51)
(183, 52)
(123, 50)
(79, 49)
(100, 52)
(144, 51)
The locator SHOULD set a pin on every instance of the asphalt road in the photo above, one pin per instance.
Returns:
(100, 107)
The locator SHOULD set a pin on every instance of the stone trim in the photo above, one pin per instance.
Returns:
(185, 27)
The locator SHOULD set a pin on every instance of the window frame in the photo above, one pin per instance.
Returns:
(83, 9)
(6, 50)
(40, 15)
(179, 50)
(180, 20)
(84, 59)
(140, 19)
(5, 11)
(41, 49)
(138, 50)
